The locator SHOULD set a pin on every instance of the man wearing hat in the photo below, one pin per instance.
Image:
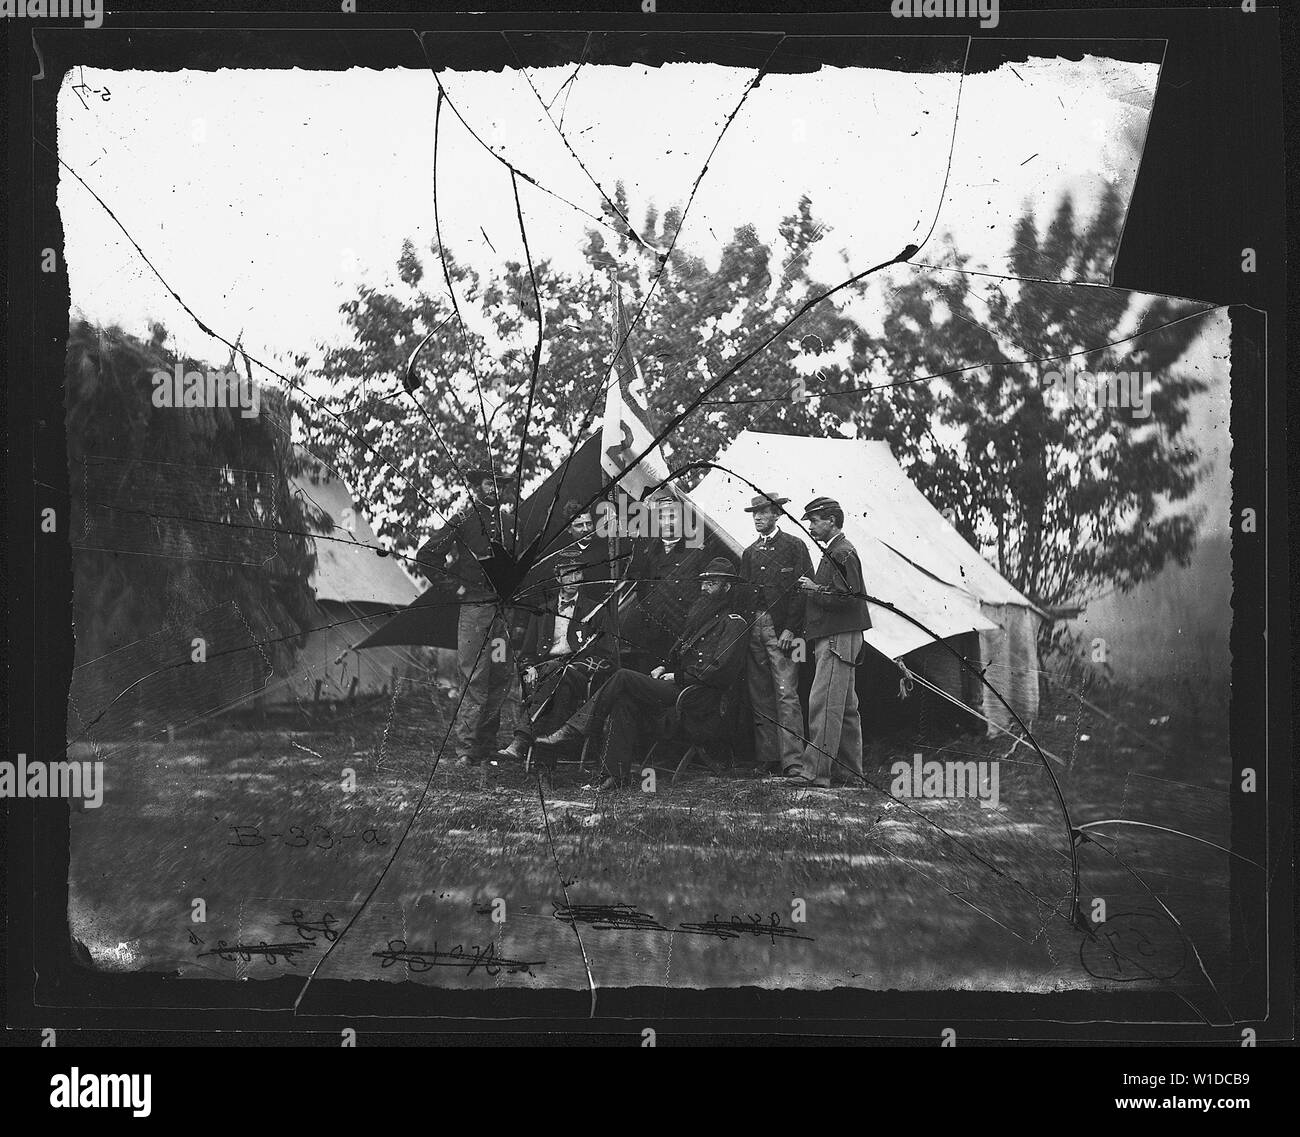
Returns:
(709, 653)
(772, 567)
(457, 554)
(563, 651)
(835, 617)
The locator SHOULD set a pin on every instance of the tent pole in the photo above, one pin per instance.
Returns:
(612, 550)
(611, 538)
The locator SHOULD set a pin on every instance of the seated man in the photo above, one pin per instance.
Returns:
(561, 651)
(710, 653)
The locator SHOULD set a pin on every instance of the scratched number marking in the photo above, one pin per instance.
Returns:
(77, 88)
(1132, 946)
(298, 837)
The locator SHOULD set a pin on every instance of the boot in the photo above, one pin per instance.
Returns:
(566, 733)
(517, 751)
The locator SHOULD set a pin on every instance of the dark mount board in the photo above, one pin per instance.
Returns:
(1194, 209)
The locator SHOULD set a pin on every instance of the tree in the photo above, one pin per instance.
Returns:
(406, 453)
(227, 482)
(697, 322)
(1067, 495)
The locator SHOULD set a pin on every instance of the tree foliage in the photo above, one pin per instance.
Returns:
(1063, 497)
(222, 470)
(1067, 496)
(407, 454)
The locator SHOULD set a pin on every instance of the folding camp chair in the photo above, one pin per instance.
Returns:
(701, 725)
(588, 691)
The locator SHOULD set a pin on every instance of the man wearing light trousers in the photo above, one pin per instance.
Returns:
(836, 616)
(483, 654)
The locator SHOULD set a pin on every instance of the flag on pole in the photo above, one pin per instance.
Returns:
(626, 431)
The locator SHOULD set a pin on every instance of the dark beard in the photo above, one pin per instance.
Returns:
(705, 608)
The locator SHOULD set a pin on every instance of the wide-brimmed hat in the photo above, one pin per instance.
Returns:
(818, 505)
(765, 501)
(719, 569)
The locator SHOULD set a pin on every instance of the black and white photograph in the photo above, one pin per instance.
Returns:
(596, 519)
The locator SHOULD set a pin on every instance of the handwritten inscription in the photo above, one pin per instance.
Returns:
(418, 961)
(618, 917)
(625, 917)
(245, 953)
(752, 924)
(309, 929)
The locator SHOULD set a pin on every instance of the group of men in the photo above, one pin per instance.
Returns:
(613, 642)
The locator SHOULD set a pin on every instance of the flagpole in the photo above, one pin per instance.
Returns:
(611, 537)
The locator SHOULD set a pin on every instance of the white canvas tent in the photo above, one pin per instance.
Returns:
(911, 556)
(356, 592)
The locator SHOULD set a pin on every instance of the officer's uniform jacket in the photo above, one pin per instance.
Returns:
(839, 605)
(714, 654)
(469, 536)
(772, 567)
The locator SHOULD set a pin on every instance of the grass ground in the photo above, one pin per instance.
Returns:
(713, 881)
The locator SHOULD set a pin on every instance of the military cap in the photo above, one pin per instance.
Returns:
(817, 505)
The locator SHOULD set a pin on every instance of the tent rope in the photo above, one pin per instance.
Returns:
(983, 718)
(907, 682)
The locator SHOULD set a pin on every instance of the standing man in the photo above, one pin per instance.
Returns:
(664, 568)
(772, 567)
(836, 616)
(459, 551)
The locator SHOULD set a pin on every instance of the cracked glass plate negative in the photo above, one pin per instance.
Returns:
(577, 512)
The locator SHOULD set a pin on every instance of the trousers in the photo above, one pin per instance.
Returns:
(564, 684)
(834, 750)
(483, 660)
(629, 703)
(773, 679)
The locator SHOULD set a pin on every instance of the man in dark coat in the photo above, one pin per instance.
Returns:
(563, 653)
(772, 567)
(455, 557)
(665, 570)
(710, 653)
(835, 618)
(579, 544)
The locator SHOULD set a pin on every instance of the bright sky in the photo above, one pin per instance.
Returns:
(264, 197)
